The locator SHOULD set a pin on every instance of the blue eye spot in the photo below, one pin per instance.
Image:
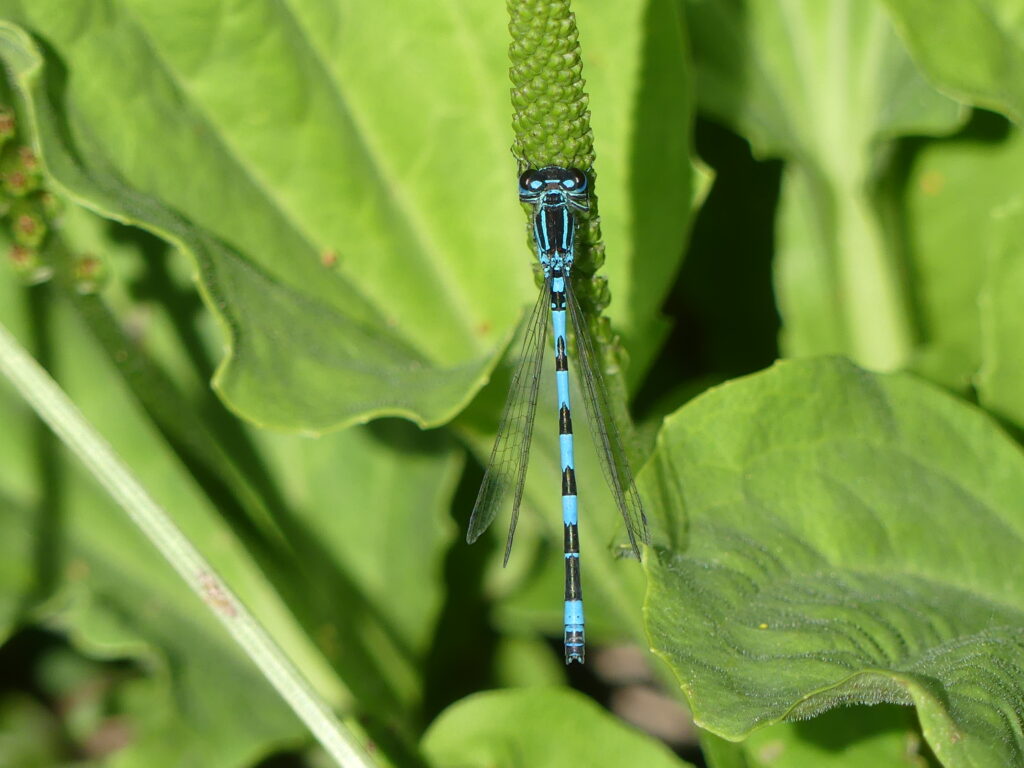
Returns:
(569, 183)
(536, 184)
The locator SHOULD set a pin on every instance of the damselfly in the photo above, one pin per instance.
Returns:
(557, 195)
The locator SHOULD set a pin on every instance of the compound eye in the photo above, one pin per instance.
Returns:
(529, 181)
(575, 181)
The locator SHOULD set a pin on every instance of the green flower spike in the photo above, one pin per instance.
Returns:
(552, 123)
(19, 171)
(27, 208)
(28, 223)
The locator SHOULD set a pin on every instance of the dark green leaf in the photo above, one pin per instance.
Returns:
(834, 521)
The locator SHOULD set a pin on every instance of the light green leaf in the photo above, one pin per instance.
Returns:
(372, 527)
(849, 538)
(964, 231)
(538, 727)
(823, 84)
(1001, 379)
(250, 180)
(527, 661)
(971, 50)
(956, 192)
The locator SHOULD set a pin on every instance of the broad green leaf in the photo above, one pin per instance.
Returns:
(340, 174)
(823, 84)
(1001, 378)
(538, 727)
(842, 537)
(398, 478)
(371, 530)
(972, 50)
(307, 348)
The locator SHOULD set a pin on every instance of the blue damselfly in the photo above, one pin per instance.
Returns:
(557, 195)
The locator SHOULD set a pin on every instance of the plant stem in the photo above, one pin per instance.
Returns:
(55, 408)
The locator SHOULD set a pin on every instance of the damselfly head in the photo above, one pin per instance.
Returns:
(554, 185)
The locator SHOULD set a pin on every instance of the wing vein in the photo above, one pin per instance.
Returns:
(510, 456)
(604, 429)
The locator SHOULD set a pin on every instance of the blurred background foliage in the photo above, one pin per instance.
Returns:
(273, 251)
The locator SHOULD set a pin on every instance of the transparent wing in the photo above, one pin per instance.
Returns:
(506, 469)
(607, 439)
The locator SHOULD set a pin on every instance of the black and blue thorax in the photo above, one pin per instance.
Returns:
(556, 194)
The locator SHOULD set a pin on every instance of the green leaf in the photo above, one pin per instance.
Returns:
(1001, 378)
(964, 231)
(372, 504)
(344, 187)
(823, 85)
(955, 193)
(972, 50)
(849, 538)
(341, 302)
(538, 727)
